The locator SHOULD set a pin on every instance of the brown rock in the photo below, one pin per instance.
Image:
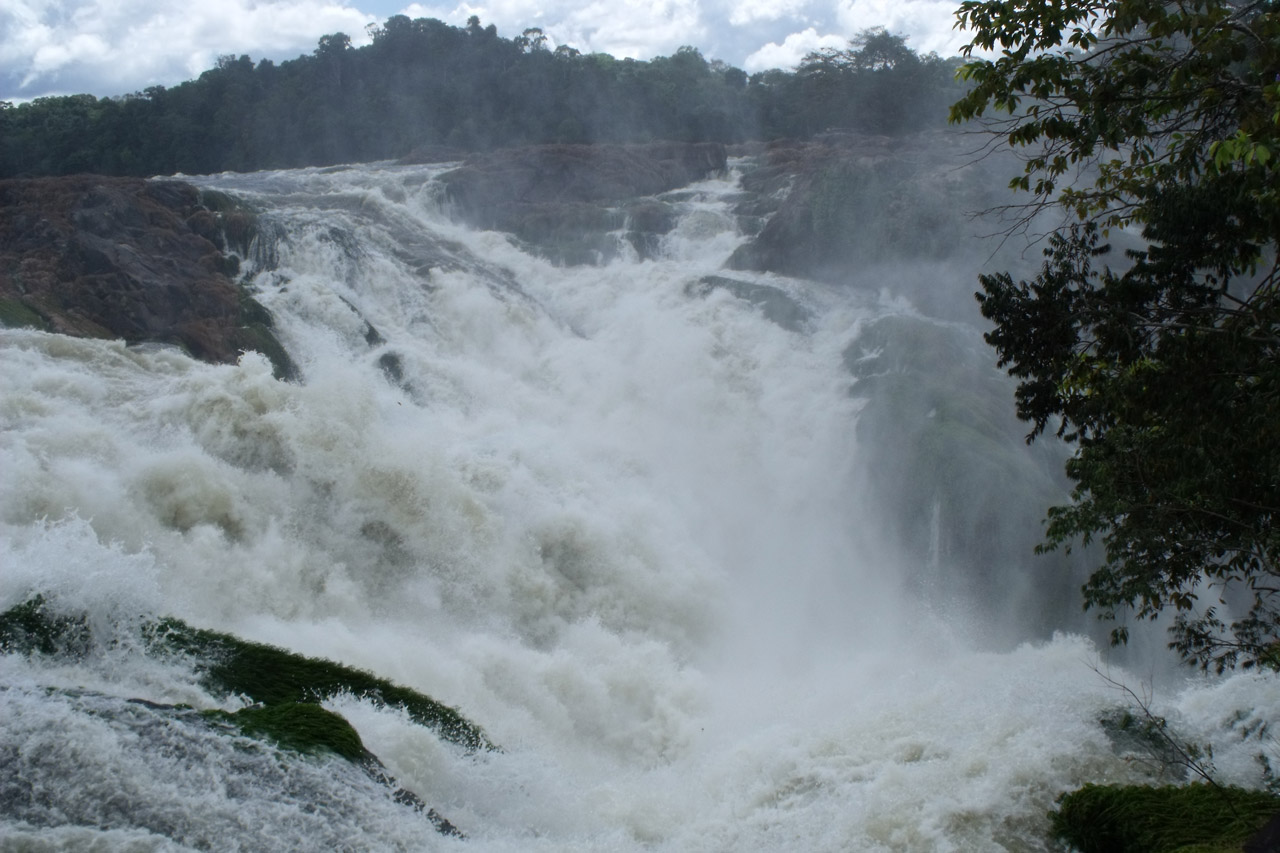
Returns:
(93, 256)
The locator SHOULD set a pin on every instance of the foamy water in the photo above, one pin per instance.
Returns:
(610, 518)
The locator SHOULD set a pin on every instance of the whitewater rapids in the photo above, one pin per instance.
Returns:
(614, 519)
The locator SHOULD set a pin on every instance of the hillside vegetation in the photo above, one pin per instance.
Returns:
(424, 86)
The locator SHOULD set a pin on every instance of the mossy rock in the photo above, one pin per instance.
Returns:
(1169, 819)
(257, 333)
(230, 666)
(273, 676)
(235, 220)
(32, 627)
(287, 689)
(16, 314)
(299, 726)
(256, 337)
(220, 202)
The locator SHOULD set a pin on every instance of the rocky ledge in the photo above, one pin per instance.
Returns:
(846, 201)
(144, 261)
(566, 201)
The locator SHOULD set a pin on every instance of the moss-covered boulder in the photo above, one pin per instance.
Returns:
(301, 727)
(230, 666)
(16, 314)
(1197, 818)
(273, 676)
(307, 728)
(286, 688)
(33, 627)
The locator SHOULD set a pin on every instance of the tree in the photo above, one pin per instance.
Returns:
(532, 39)
(877, 49)
(1164, 370)
(332, 46)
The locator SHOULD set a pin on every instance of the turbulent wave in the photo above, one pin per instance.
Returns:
(618, 516)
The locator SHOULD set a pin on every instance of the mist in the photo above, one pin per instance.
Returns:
(658, 442)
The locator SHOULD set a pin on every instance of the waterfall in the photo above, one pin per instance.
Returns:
(617, 515)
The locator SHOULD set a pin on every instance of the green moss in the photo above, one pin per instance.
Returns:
(236, 219)
(32, 627)
(230, 666)
(16, 314)
(257, 333)
(219, 202)
(298, 726)
(286, 687)
(1169, 819)
(256, 337)
(273, 676)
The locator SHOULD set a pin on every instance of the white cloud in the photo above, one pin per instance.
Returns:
(792, 50)
(748, 11)
(82, 47)
(927, 23)
(637, 29)
(455, 15)
(109, 47)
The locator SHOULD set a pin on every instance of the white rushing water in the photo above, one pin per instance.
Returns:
(615, 520)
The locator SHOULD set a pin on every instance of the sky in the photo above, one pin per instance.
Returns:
(115, 47)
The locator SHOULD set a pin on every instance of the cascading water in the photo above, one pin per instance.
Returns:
(612, 514)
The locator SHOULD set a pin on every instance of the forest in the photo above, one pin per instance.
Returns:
(423, 84)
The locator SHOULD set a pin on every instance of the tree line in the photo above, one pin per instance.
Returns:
(422, 83)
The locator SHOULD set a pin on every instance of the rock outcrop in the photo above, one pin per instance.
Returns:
(93, 256)
(568, 200)
(836, 207)
(843, 200)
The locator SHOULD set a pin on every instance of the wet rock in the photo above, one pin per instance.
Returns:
(92, 256)
(392, 367)
(433, 154)
(777, 306)
(835, 207)
(567, 201)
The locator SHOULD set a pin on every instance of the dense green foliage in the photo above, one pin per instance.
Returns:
(1165, 369)
(1170, 819)
(423, 84)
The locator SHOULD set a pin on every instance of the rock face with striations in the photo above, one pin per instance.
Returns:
(845, 201)
(567, 200)
(93, 256)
